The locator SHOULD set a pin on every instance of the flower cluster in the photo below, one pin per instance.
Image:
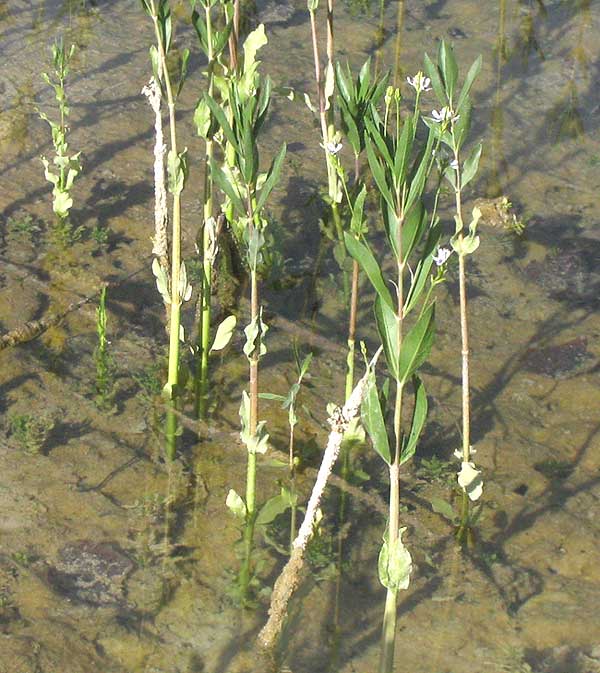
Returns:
(444, 116)
(419, 82)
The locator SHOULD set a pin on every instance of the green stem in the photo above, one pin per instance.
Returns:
(388, 632)
(202, 382)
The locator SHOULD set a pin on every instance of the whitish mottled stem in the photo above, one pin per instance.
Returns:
(288, 580)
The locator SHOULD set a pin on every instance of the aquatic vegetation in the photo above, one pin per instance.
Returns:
(400, 168)
(66, 166)
(289, 402)
(212, 43)
(31, 431)
(172, 284)
(247, 190)
(105, 366)
(451, 128)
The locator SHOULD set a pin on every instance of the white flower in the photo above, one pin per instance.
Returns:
(470, 481)
(454, 164)
(445, 115)
(459, 454)
(332, 147)
(419, 82)
(441, 257)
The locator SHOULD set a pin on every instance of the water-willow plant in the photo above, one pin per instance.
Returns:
(67, 166)
(357, 102)
(451, 128)
(102, 359)
(289, 402)
(173, 287)
(212, 42)
(248, 97)
(400, 166)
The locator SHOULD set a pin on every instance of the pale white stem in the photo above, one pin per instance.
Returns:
(161, 217)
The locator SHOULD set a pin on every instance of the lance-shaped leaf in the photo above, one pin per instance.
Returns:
(357, 222)
(403, 150)
(423, 268)
(420, 177)
(387, 326)
(417, 344)
(363, 255)
(185, 57)
(448, 68)
(373, 419)
(379, 175)
(223, 183)
(272, 178)
(255, 41)
(462, 125)
(471, 75)
(217, 111)
(471, 165)
(376, 135)
(433, 73)
(413, 229)
(418, 420)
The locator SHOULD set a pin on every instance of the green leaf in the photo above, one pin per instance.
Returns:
(433, 73)
(387, 326)
(217, 111)
(418, 182)
(255, 333)
(177, 169)
(418, 420)
(363, 255)
(236, 505)
(417, 344)
(223, 183)
(395, 564)
(255, 41)
(379, 175)
(312, 5)
(448, 68)
(274, 506)
(272, 177)
(440, 506)
(471, 75)
(357, 220)
(224, 333)
(403, 151)
(62, 202)
(373, 420)
(272, 396)
(185, 57)
(471, 165)
(202, 118)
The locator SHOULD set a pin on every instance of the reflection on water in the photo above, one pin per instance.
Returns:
(516, 600)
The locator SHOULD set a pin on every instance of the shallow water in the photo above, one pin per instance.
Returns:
(100, 502)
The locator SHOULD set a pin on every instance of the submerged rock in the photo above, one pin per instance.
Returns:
(273, 12)
(558, 361)
(570, 273)
(91, 572)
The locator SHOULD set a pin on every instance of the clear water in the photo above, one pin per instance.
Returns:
(526, 596)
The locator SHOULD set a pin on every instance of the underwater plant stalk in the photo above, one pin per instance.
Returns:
(464, 335)
(208, 247)
(253, 423)
(388, 634)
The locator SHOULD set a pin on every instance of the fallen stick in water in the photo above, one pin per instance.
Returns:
(289, 579)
